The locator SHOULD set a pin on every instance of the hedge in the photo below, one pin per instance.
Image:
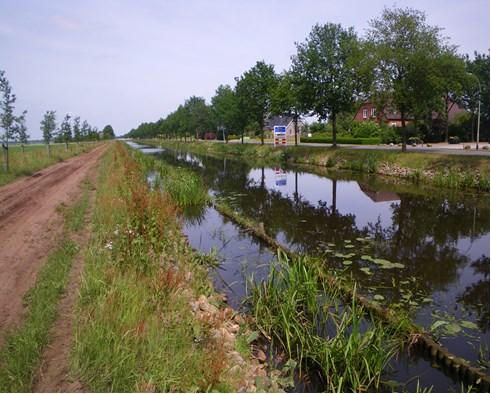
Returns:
(343, 140)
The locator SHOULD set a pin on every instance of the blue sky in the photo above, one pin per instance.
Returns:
(125, 62)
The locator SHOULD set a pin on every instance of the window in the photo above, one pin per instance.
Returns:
(372, 112)
(365, 113)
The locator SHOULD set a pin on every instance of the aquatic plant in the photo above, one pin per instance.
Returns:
(346, 346)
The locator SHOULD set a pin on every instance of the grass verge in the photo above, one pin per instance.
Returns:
(35, 157)
(441, 170)
(136, 328)
(23, 346)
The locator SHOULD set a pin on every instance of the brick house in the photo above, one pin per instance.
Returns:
(368, 112)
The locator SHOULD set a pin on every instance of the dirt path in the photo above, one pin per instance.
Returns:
(30, 227)
(53, 374)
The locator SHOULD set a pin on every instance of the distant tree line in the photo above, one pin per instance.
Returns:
(402, 63)
(14, 127)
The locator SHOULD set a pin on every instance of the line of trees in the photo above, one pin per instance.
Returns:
(14, 127)
(402, 64)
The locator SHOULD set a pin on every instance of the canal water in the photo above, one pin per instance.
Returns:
(421, 250)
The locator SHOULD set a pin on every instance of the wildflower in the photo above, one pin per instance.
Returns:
(109, 245)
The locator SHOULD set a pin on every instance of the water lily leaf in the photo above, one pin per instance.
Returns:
(452, 329)
(360, 239)
(427, 299)
(413, 303)
(347, 241)
(331, 245)
(347, 262)
(398, 265)
(381, 262)
(365, 257)
(349, 246)
(437, 324)
(378, 297)
(340, 255)
(366, 270)
(469, 324)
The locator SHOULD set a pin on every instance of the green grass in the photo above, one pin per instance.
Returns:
(135, 329)
(437, 169)
(306, 318)
(23, 347)
(35, 157)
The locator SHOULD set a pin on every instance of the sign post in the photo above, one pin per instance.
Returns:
(279, 135)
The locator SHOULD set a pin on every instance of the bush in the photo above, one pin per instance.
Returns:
(365, 130)
(390, 135)
(342, 140)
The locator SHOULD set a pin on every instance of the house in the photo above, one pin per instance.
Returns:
(281, 120)
(368, 112)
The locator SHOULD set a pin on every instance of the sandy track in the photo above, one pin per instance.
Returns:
(30, 227)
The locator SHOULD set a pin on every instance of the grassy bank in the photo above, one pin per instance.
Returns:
(35, 157)
(23, 347)
(444, 171)
(148, 319)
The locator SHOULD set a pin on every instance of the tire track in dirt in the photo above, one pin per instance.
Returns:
(30, 227)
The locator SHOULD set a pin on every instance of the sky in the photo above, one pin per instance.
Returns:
(127, 62)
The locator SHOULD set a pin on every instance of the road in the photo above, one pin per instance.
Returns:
(31, 227)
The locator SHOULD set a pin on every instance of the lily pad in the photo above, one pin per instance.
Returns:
(469, 324)
(427, 299)
(367, 258)
(347, 262)
(349, 246)
(378, 297)
(366, 270)
(452, 329)
(340, 255)
(437, 324)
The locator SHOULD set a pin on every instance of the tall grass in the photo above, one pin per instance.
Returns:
(348, 349)
(135, 329)
(183, 185)
(35, 158)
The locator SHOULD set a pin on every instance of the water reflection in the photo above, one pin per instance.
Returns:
(442, 244)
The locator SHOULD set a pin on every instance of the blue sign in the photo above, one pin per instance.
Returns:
(279, 129)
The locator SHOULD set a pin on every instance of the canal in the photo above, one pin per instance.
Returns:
(424, 251)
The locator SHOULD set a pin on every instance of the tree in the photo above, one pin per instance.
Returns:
(405, 51)
(77, 132)
(477, 89)
(254, 90)
(84, 130)
(452, 79)
(108, 133)
(65, 131)
(289, 99)
(7, 117)
(331, 68)
(20, 130)
(48, 126)
(196, 117)
(225, 109)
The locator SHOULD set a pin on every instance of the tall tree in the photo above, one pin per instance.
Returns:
(48, 126)
(328, 63)
(84, 130)
(452, 79)
(254, 89)
(108, 132)
(289, 99)
(405, 51)
(477, 89)
(65, 131)
(20, 130)
(7, 118)
(77, 131)
(225, 110)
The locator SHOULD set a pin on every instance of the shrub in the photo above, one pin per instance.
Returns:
(343, 140)
(365, 129)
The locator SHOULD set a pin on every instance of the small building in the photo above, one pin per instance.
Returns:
(281, 120)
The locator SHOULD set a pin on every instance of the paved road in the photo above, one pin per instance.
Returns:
(449, 149)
